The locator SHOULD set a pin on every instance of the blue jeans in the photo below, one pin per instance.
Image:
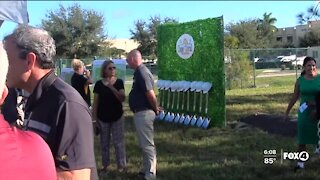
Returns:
(143, 121)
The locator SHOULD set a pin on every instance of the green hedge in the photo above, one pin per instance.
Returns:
(206, 63)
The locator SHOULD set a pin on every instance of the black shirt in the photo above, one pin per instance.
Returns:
(79, 83)
(142, 83)
(59, 114)
(9, 108)
(109, 107)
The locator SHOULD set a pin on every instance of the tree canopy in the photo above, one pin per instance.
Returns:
(312, 38)
(246, 31)
(77, 32)
(311, 13)
(251, 33)
(146, 34)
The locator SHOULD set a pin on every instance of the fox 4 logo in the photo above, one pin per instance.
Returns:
(301, 156)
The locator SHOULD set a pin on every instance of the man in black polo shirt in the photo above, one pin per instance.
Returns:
(143, 102)
(54, 110)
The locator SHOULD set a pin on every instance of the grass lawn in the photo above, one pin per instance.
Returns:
(219, 153)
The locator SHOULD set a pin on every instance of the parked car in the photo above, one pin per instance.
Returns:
(298, 63)
(257, 59)
(288, 59)
(278, 58)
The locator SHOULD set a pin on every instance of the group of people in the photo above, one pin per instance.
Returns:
(307, 89)
(107, 110)
(56, 139)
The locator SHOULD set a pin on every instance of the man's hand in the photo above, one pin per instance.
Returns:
(159, 108)
(83, 174)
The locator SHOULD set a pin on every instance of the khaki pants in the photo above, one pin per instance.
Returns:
(143, 121)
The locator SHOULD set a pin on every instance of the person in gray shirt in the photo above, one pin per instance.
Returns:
(143, 103)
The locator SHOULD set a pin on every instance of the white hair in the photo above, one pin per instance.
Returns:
(3, 68)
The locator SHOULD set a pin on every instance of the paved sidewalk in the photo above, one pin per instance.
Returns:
(277, 74)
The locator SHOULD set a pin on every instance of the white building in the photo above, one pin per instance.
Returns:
(126, 44)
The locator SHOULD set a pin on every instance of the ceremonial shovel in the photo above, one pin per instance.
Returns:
(167, 87)
(207, 86)
(193, 88)
(186, 87)
(198, 88)
(179, 89)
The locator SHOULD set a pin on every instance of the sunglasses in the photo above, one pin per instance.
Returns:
(110, 68)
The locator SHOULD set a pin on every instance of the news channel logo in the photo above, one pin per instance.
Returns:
(300, 156)
(270, 156)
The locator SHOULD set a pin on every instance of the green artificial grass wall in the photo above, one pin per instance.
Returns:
(206, 64)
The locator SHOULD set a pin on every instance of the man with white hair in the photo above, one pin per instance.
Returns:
(54, 109)
(23, 151)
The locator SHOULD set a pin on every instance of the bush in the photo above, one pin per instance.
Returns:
(238, 72)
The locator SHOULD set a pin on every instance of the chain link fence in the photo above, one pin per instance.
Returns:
(67, 63)
(244, 68)
(248, 68)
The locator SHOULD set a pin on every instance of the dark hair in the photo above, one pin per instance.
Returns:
(305, 61)
(104, 66)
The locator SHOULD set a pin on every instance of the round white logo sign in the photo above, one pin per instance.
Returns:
(185, 46)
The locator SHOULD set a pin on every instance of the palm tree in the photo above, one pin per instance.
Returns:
(312, 13)
(266, 25)
(267, 29)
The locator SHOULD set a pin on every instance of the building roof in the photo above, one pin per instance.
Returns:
(310, 24)
(125, 44)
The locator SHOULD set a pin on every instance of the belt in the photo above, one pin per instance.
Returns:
(140, 109)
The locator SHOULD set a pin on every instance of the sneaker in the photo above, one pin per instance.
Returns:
(300, 165)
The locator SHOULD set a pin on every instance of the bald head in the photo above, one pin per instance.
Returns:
(134, 59)
(135, 53)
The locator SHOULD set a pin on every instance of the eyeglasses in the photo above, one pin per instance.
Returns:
(110, 68)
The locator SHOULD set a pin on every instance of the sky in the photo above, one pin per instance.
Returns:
(121, 15)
